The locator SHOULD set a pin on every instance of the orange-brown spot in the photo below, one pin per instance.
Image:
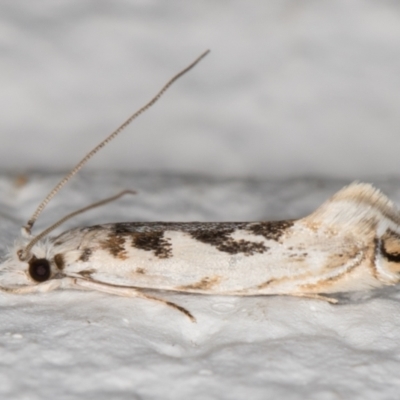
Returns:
(59, 261)
(202, 285)
(20, 181)
(391, 243)
(390, 249)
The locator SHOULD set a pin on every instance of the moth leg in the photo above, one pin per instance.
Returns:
(171, 304)
(316, 297)
(128, 292)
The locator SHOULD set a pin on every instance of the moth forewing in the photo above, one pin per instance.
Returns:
(336, 248)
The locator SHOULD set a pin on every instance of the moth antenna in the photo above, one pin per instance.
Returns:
(23, 255)
(28, 227)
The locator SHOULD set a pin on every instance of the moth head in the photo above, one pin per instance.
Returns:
(34, 274)
(388, 250)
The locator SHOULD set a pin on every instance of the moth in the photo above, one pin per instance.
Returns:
(350, 243)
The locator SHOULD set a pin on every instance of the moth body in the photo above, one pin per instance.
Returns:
(350, 243)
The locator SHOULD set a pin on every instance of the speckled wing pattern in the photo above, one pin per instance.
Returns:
(337, 248)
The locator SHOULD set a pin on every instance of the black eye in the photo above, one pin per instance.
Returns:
(39, 269)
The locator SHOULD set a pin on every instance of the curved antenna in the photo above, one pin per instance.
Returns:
(23, 254)
(56, 189)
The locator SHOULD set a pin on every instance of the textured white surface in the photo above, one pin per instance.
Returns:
(72, 344)
(291, 87)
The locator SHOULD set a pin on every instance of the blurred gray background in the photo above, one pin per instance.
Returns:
(291, 88)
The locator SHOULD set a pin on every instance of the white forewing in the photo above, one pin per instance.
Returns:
(333, 249)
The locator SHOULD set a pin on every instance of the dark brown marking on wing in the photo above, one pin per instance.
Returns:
(115, 245)
(204, 284)
(271, 230)
(222, 241)
(123, 229)
(242, 246)
(87, 273)
(141, 271)
(266, 283)
(152, 241)
(126, 228)
(59, 261)
(85, 255)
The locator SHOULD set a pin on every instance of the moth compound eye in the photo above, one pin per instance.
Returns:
(39, 269)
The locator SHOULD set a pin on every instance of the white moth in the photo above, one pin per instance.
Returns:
(350, 243)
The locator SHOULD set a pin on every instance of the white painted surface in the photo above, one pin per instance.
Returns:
(71, 344)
